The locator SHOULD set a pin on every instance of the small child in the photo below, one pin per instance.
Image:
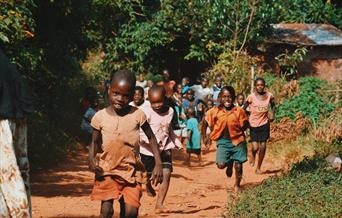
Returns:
(85, 123)
(139, 99)
(240, 100)
(190, 101)
(227, 124)
(118, 168)
(193, 144)
(259, 103)
(159, 117)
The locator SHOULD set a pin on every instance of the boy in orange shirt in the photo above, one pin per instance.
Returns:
(118, 172)
(227, 124)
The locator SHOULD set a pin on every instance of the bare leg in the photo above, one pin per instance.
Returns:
(107, 210)
(238, 175)
(149, 189)
(229, 170)
(262, 151)
(130, 211)
(163, 188)
(189, 159)
(255, 148)
(199, 159)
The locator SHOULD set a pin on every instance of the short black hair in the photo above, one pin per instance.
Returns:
(259, 79)
(190, 90)
(124, 75)
(240, 94)
(140, 89)
(190, 111)
(157, 88)
(230, 89)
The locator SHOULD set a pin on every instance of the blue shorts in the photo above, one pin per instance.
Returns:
(227, 152)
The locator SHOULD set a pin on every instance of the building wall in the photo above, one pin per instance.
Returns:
(324, 62)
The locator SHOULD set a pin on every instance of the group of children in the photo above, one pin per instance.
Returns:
(138, 135)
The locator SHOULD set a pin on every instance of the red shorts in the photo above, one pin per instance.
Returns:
(109, 187)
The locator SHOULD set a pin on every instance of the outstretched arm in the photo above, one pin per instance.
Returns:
(157, 174)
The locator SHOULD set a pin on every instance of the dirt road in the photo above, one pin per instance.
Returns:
(194, 192)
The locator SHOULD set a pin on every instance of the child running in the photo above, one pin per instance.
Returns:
(193, 145)
(240, 100)
(259, 120)
(227, 124)
(139, 99)
(118, 170)
(159, 117)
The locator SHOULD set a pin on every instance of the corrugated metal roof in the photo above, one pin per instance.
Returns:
(306, 34)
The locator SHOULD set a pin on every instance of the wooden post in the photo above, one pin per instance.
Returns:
(252, 78)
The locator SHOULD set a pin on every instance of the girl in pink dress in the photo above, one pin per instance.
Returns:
(259, 103)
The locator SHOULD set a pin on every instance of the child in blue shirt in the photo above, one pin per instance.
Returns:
(193, 144)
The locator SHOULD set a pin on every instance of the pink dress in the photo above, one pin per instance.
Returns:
(161, 127)
(259, 109)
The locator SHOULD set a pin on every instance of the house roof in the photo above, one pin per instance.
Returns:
(306, 34)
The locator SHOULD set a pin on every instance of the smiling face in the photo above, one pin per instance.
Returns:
(157, 100)
(218, 82)
(260, 86)
(240, 100)
(226, 99)
(120, 94)
(138, 97)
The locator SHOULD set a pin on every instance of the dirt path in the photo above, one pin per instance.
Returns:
(194, 192)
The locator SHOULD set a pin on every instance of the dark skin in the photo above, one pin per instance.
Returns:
(157, 100)
(260, 146)
(138, 98)
(190, 113)
(120, 94)
(226, 103)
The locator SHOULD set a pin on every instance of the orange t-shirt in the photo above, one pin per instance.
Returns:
(218, 119)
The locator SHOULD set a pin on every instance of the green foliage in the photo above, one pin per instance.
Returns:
(155, 78)
(288, 62)
(16, 22)
(235, 69)
(309, 101)
(308, 191)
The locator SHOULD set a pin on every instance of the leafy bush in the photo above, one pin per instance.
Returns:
(235, 70)
(309, 190)
(309, 101)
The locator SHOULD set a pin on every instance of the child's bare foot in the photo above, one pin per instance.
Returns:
(149, 190)
(252, 162)
(258, 171)
(229, 169)
(162, 209)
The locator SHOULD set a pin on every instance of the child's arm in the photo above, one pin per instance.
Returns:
(189, 135)
(273, 109)
(157, 174)
(93, 165)
(245, 105)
